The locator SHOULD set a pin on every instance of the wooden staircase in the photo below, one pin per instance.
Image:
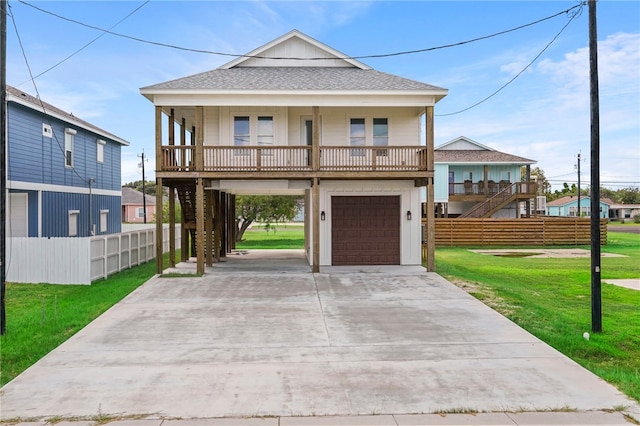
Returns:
(493, 204)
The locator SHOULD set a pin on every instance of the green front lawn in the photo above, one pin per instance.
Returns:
(551, 298)
(273, 237)
(42, 316)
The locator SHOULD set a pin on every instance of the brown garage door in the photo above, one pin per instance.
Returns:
(365, 230)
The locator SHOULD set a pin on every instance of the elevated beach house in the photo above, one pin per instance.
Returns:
(298, 117)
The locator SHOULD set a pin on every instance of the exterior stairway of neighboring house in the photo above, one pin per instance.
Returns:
(187, 196)
(513, 192)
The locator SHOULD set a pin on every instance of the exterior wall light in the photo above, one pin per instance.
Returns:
(322, 215)
(409, 215)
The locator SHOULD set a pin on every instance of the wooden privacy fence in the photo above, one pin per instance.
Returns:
(80, 260)
(544, 231)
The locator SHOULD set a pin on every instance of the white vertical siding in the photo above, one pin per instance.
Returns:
(80, 260)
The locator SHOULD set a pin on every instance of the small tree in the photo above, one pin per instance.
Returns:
(263, 208)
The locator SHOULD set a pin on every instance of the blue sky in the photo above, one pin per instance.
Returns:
(542, 115)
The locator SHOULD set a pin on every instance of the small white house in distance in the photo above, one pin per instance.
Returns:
(623, 211)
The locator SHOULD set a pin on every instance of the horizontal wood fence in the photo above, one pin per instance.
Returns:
(543, 231)
(80, 260)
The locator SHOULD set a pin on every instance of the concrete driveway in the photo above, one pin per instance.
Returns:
(265, 337)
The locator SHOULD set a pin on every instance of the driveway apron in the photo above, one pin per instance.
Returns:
(285, 342)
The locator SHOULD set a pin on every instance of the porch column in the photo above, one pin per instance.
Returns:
(486, 180)
(200, 226)
(208, 227)
(315, 267)
(217, 225)
(199, 128)
(315, 138)
(430, 225)
(232, 223)
(172, 225)
(223, 224)
(159, 163)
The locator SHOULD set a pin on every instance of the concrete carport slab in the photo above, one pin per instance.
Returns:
(285, 342)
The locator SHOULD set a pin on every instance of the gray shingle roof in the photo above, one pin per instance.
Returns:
(293, 78)
(478, 157)
(131, 196)
(37, 104)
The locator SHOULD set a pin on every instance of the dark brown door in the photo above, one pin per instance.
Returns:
(365, 230)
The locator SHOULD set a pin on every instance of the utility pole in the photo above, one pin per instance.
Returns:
(144, 194)
(596, 285)
(3, 162)
(579, 211)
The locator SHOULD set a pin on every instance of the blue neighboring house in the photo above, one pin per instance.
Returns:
(568, 206)
(63, 173)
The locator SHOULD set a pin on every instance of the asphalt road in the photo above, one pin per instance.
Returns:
(623, 228)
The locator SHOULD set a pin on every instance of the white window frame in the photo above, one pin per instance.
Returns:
(256, 136)
(68, 147)
(380, 140)
(73, 215)
(100, 150)
(104, 220)
(357, 140)
(47, 131)
(139, 212)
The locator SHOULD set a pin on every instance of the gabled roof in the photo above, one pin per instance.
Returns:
(292, 65)
(314, 53)
(571, 198)
(469, 144)
(463, 150)
(22, 98)
(132, 197)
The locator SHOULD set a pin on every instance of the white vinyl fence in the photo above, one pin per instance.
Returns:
(81, 260)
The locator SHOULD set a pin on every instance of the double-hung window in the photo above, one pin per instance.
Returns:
(380, 135)
(68, 147)
(265, 133)
(241, 134)
(252, 131)
(357, 136)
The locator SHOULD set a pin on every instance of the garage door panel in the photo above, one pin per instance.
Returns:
(365, 230)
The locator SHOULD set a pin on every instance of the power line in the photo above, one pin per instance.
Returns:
(44, 109)
(87, 44)
(235, 55)
(573, 16)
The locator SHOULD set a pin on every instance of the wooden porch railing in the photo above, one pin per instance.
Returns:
(526, 189)
(295, 158)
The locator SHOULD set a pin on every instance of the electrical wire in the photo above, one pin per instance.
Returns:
(235, 55)
(573, 16)
(87, 44)
(35, 86)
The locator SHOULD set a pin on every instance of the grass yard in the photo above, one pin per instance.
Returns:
(42, 316)
(551, 298)
(274, 237)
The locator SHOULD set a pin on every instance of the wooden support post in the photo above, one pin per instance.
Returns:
(223, 224)
(171, 128)
(430, 226)
(232, 222)
(315, 267)
(199, 139)
(172, 225)
(486, 180)
(184, 242)
(183, 132)
(159, 233)
(217, 229)
(315, 138)
(159, 164)
(200, 225)
(208, 229)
